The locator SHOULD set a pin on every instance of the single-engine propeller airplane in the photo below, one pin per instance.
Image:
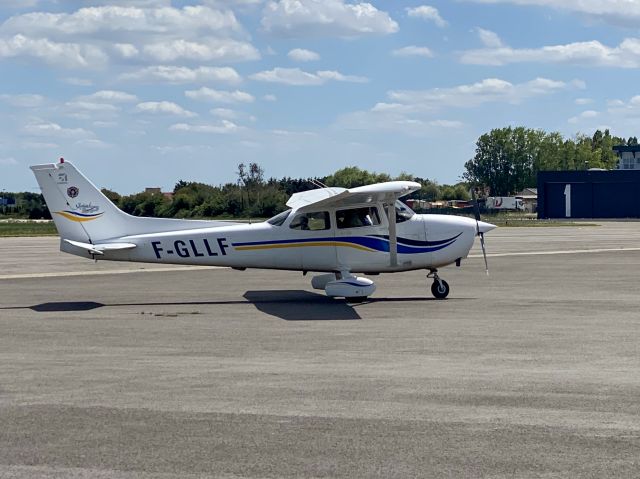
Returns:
(336, 231)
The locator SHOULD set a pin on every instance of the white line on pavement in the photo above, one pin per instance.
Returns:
(113, 271)
(568, 251)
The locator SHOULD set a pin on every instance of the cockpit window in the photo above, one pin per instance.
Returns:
(311, 221)
(357, 217)
(279, 219)
(403, 212)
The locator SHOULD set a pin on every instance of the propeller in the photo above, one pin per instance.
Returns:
(476, 212)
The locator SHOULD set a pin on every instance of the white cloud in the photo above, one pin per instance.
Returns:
(126, 50)
(619, 109)
(124, 19)
(302, 55)
(620, 12)
(66, 55)
(270, 97)
(305, 18)
(224, 127)
(412, 51)
(293, 133)
(92, 143)
(175, 74)
(337, 76)
(39, 145)
(488, 38)
(229, 114)
(417, 112)
(24, 100)
(167, 107)
(488, 90)
(89, 36)
(77, 81)
(91, 106)
(43, 128)
(297, 77)
(583, 101)
(446, 123)
(592, 53)
(288, 76)
(111, 96)
(585, 115)
(219, 96)
(426, 12)
(210, 49)
(225, 113)
(105, 124)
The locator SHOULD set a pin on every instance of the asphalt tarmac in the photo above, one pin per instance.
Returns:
(109, 370)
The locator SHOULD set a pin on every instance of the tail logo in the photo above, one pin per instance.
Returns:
(72, 191)
(78, 217)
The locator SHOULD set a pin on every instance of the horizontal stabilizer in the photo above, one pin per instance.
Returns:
(99, 249)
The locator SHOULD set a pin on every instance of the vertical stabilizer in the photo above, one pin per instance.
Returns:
(80, 211)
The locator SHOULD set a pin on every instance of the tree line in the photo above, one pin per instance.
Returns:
(509, 159)
(253, 196)
(506, 161)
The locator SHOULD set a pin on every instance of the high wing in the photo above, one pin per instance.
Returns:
(387, 192)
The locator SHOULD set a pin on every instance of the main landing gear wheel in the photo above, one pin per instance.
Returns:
(440, 289)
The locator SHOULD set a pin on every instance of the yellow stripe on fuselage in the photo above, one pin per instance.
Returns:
(303, 245)
(77, 219)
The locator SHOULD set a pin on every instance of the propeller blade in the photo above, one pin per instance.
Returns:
(476, 211)
(484, 253)
(476, 208)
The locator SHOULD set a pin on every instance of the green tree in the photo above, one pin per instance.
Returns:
(352, 176)
(504, 160)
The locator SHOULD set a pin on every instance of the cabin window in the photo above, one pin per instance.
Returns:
(357, 217)
(311, 221)
(279, 219)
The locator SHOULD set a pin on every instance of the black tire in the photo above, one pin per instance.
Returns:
(440, 289)
(356, 299)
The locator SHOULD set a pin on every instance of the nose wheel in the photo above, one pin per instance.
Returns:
(439, 287)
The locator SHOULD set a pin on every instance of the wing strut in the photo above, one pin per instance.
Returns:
(393, 237)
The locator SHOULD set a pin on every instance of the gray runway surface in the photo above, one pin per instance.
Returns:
(532, 372)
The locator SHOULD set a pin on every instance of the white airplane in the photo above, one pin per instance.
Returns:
(336, 231)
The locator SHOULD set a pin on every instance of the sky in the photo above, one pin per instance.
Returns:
(143, 93)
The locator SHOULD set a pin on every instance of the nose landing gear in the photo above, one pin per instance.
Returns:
(439, 287)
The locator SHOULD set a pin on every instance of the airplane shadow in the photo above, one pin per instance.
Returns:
(290, 305)
(298, 305)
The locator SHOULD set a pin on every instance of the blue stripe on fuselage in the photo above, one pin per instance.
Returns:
(374, 242)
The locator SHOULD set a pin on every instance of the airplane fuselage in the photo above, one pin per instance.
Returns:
(424, 241)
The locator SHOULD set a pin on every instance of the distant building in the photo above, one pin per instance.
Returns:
(628, 157)
(589, 194)
(529, 197)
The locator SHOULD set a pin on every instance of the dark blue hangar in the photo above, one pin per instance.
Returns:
(589, 194)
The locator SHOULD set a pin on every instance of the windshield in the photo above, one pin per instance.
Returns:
(403, 212)
(279, 219)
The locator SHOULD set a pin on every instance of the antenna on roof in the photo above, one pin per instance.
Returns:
(317, 183)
